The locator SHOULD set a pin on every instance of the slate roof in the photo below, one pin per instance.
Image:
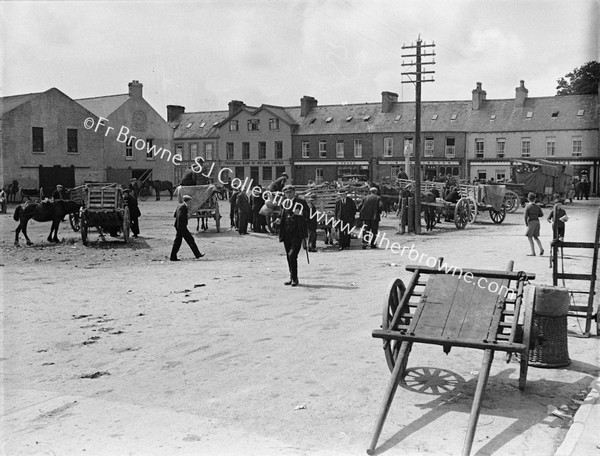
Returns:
(11, 102)
(103, 106)
(455, 116)
(198, 125)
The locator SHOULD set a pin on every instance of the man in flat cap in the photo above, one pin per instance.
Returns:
(58, 194)
(345, 211)
(134, 211)
(370, 210)
(181, 222)
(292, 230)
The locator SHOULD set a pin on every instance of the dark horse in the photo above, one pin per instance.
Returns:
(43, 212)
(160, 186)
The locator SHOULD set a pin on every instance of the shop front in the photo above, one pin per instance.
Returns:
(328, 171)
(262, 172)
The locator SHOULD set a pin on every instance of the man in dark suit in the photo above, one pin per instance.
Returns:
(370, 210)
(345, 210)
(134, 211)
(292, 230)
(58, 194)
(244, 210)
(181, 222)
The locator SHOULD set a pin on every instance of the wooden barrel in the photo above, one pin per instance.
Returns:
(550, 327)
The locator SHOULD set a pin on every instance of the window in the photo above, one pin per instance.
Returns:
(278, 149)
(339, 148)
(555, 113)
(366, 118)
(525, 147)
(482, 176)
(348, 119)
(479, 148)
(267, 173)
(492, 117)
(429, 147)
(233, 125)
(129, 148)
(500, 147)
(398, 117)
(253, 125)
(37, 139)
(305, 149)
(408, 147)
(580, 112)
(208, 151)
(72, 141)
(434, 117)
(245, 151)
(239, 172)
(500, 174)
(322, 149)
(229, 151)
(279, 170)
(149, 145)
(358, 148)
(529, 114)
(202, 124)
(577, 147)
(262, 150)
(453, 116)
(329, 119)
(193, 151)
(319, 176)
(550, 146)
(273, 124)
(189, 125)
(450, 147)
(388, 147)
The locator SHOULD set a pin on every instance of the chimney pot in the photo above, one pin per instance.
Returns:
(174, 111)
(135, 89)
(387, 101)
(307, 104)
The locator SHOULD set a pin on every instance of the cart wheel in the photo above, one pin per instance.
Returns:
(391, 348)
(126, 224)
(498, 216)
(462, 213)
(74, 221)
(527, 330)
(511, 201)
(143, 194)
(472, 209)
(84, 229)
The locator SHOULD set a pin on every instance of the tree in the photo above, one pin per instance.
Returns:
(581, 81)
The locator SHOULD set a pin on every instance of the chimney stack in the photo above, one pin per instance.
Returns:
(387, 101)
(235, 106)
(478, 97)
(174, 111)
(307, 104)
(521, 94)
(135, 89)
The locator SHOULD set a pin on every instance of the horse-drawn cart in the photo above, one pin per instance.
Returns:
(485, 198)
(104, 208)
(441, 308)
(204, 204)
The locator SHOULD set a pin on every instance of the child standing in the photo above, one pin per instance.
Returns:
(558, 217)
(532, 219)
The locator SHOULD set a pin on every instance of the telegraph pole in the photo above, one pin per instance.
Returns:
(418, 80)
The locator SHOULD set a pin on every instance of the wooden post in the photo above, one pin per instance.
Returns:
(411, 215)
(403, 216)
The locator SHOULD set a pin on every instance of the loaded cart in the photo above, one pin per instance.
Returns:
(104, 208)
(204, 204)
(442, 308)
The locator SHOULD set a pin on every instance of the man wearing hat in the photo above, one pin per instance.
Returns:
(370, 210)
(181, 222)
(279, 183)
(345, 210)
(134, 211)
(58, 194)
(292, 230)
(311, 223)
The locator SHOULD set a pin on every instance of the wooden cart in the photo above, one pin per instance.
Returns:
(485, 198)
(204, 204)
(445, 309)
(104, 208)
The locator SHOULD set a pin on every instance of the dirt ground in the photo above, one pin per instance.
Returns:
(111, 349)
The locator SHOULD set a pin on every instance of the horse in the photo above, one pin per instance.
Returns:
(11, 191)
(160, 186)
(44, 212)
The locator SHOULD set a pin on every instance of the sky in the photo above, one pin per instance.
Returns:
(202, 54)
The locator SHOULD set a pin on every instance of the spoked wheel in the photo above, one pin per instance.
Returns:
(84, 229)
(126, 224)
(75, 221)
(391, 348)
(462, 213)
(498, 216)
(144, 194)
(511, 201)
(472, 209)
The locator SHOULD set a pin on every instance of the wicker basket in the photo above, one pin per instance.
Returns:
(550, 327)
